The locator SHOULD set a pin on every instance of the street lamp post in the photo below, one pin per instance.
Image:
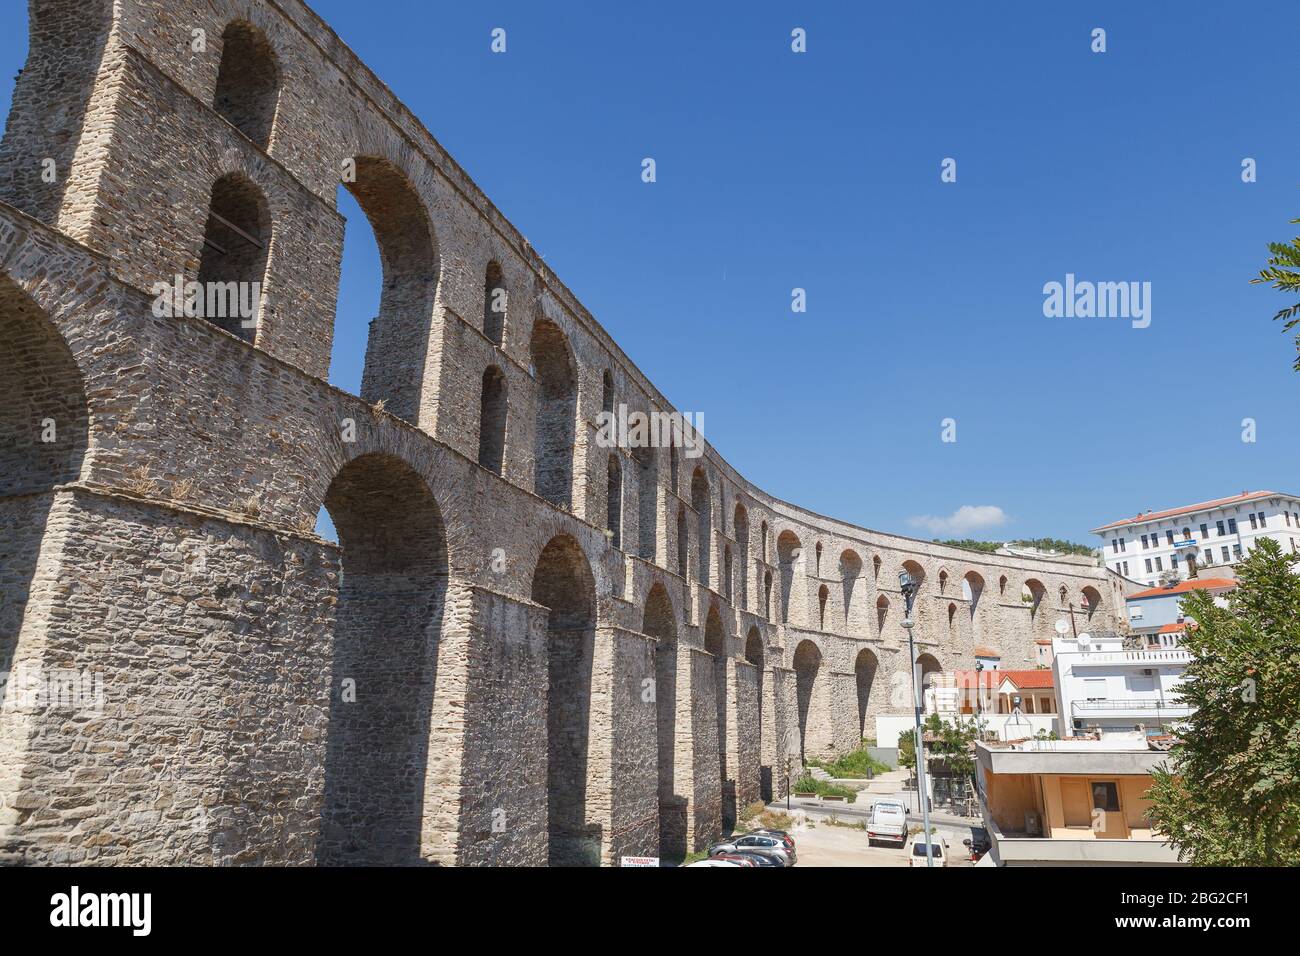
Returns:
(909, 586)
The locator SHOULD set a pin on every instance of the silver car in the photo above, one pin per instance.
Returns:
(757, 843)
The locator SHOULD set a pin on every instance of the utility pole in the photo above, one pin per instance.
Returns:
(909, 587)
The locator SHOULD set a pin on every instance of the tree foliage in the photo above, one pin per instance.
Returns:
(1285, 258)
(1230, 795)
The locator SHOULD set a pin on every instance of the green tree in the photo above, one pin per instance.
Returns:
(1285, 258)
(1230, 794)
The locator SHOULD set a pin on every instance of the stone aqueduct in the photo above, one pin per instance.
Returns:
(559, 652)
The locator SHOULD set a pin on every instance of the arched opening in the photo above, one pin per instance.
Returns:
(715, 642)
(813, 713)
(875, 567)
(248, 82)
(1091, 600)
(232, 265)
(952, 618)
(564, 585)
(44, 435)
(726, 573)
(1065, 595)
(850, 571)
(492, 420)
(683, 542)
(754, 654)
(767, 595)
(607, 393)
(703, 506)
(919, 612)
(661, 623)
(762, 544)
(614, 501)
(397, 344)
(647, 471)
(882, 612)
(927, 668)
(788, 550)
(1032, 594)
(673, 485)
(972, 589)
(557, 404)
(495, 303)
(387, 634)
(943, 581)
(741, 525)
(823, 595)
(1002, 584)
(817, 560)
(864, 673)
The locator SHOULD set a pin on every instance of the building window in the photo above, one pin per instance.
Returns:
(1236, 551)
(1254, 522)
(1205, 531)
(1218, 525)
(1173, 561)
(1121, 544)
(1169, 535)
(1160, 566)
(1209, 556)
(1144, 542)
(1225, 552)
(1114, 542)
(1148, 563)
(1232, 526)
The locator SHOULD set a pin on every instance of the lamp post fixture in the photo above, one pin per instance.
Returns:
(909, 586)
(979, 670)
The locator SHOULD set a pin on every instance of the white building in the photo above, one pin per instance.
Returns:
(1100, 686)
(1149, 546)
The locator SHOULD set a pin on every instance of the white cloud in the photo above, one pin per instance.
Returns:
(963, 521)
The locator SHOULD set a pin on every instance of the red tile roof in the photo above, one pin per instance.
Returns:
(1182, 587)
(1187, 509)
(1176, 628)
(1024, 679)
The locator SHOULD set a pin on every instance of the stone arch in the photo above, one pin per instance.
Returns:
(702, 503)
(943, 580)
(557, 406)
(1064, 593)
(927, 665)
(392, 596)
(823, 596)
(1002, 585)
(882, 613)
(564, 585)
(817, 560)
(767, 595)
(607, 392)
(788, 551)
(727, 571)
(1032, 594)
(762, 554)
(683, 542)
(754, 653)
(952, 618)
(715, 642)
(647, 471)
(815, 739)
(920, 609)
(496, 301)
(865, 666)
(741, 526)
(673, 485)
(875, 566)
(398, 342)
(614, 501)
(44, 440)
(1091, 600)
(493, 408)
(850, 572)
(972, 588)
(248, 82)
(660, 622)
(232, 264)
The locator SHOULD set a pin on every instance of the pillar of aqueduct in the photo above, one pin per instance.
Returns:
(525, 647)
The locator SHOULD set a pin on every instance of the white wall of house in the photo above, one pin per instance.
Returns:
(1100, 685)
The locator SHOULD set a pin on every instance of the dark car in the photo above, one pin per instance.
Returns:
(758, 858)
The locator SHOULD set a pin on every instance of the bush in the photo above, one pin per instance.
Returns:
(857, 765)
(810, 784)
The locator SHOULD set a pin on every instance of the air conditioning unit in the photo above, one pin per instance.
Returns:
(1148, 671)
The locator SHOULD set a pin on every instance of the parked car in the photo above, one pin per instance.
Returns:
(785, 836)
(758, 858)
(757, 843)
(938, 849)
(888, 822)
(713, 861)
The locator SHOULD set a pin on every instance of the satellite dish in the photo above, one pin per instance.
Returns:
(1085, 640)
(1062, 626)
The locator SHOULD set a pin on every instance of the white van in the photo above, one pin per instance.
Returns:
(888, 822)
(938, 850)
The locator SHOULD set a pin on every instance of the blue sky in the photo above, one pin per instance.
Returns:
(821, 170)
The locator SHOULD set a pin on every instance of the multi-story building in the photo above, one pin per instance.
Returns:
(1101, 686)
(1156, 614)
(1154, 545)
(1072, 802)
